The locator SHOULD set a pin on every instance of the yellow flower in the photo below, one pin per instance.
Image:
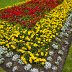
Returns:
(1, 26)
(20, 50)
(37, 54)
(27, 38)
(22, 36)
(43, 63)
(46, 53)
(39, 50)
(42, 54)
(37, 60)
(13, 46)
(24, 31)
(49, 40)
(2, 43)
(43, 60)
(12, 38)
(56, 33)
(29, 32)
(53, 36)
(23, 48)
(32, 35)
(7, 45)
(35, 44)
(23, 59)
(38, 41)
(29, 47)
(16, 33)
(30, 59)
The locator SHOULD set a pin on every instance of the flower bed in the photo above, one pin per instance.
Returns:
(28, 13)
(33, 44)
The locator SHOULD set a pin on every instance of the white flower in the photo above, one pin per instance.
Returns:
(57, 39)
(66, 42)
(2, 60)
(66, 34)
(47, 65)
(68, 20)
(0, 56)
(54, 67)
(60, 52)
(63, 48)
(4, 48)
(14, 68)
(9, 64)
(70, 30)
(49, 58)
(15, 57)
(1, 50)
(61, 34)
(59, 59)
(57, 63)
(51, 53)
(64, 28)
(9, 54)
(55, 46)
(0, 46)
(67, 24)
(27, 67)
(41, 71)
(34, 70)
(20, 61)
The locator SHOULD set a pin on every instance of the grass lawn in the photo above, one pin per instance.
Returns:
(68, 64)
(1, 70)
(5, 3)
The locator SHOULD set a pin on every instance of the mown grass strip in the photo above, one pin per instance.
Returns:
(68, 63)
(9, 3)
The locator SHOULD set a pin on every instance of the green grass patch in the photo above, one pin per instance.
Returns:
(68, 64)
(2, 70)
(5, 3)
